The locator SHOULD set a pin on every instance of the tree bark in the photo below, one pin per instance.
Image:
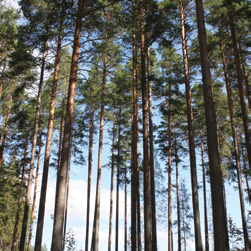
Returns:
(14, 239)
(111, 193)
(125, 209)
(152, 182)
(147, 211)
(236, 148)
(240, 87)
(91, 130)
(57, 240)
(35, 191)
(134, 146)
(245, 74)
(61, 124)
(42, 201)
(118, 181)
(67, 198)
(213, 152)
(95, 231)
(170, 225)
(177, 191)
(34, 143)
(204, 192)
(195, 196)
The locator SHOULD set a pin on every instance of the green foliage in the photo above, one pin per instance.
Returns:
(9, 194)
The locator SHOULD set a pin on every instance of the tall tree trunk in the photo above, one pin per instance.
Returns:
(170, 225)
(213, 152)
(111, 193)
(57, 240)
(14, 239)
(177, 191)
(195, 196)
(34, 143)
(40, 222)
(35, 190)
(245, 73)
(67, 198)
(95, 231)
(118, 181)
(61, 124)
(91, 130)
(147, 211)
(240, 87)
(134, 147)
(204, 192)
(236, 148)
(244, 162)
(152, 183)
(125, 209)
(6, 125)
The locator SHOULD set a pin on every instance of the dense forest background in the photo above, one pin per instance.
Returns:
(124, 125)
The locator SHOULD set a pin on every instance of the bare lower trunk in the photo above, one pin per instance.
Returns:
(177, 192)
(204, 192)
(89, 174)
(34, 143)
(111, 193)
(118, 181)
(67, 199)
(57, 240)
(125, 241)
(147, 211)
(134, 149)
(40, 222)
(152, 183)
(35, 192)
(95, 231)
(14, 239)
(236, 148)
(170, 224)
(195, 196)
(213, 152)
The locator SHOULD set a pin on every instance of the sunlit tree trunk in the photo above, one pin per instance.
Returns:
(213, 152)
(57, 240)
(34, 143)
(35, 191)
(41, 212)
(195, 196)
(67, 198)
